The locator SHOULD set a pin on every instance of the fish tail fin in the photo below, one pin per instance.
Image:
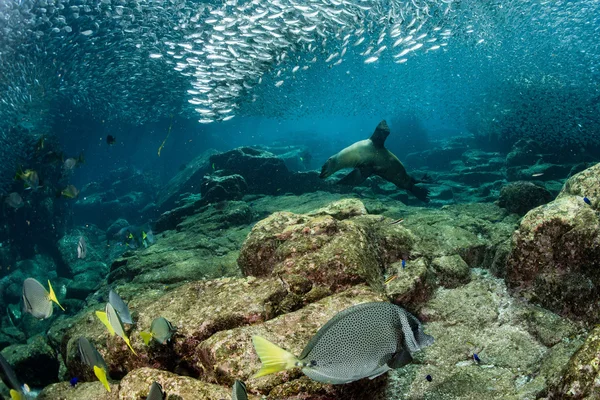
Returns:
(104, 319)
(126, 339)
(273, 357)
(53, 295)
(146, 336)
(14, 395)
(81, 158)
(101, 375)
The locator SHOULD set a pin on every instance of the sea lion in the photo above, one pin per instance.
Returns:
(369, 157)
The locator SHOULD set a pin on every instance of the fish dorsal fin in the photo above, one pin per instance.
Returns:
(381, 133)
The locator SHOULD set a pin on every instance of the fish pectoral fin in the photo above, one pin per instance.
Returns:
(101, 375)
(400, 359)
(356, 177)
(52, 295)
(273, 357)
(104, 319)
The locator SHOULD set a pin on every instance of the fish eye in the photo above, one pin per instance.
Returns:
(313, 363)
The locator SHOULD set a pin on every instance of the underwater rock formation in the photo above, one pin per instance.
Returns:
(34, 362)
(581, 376)
(188, 180)
(520, 197)
(264, 172)
(556, 252)
(219, 188)
(306, 266)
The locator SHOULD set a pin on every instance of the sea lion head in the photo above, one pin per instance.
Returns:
(328, 168)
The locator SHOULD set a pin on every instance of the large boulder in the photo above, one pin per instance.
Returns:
(264, 172)
(35, 363)
(220, 188)
(580, 380)
(556, 251)
(520, 197)
(335, 247)
(188, 180)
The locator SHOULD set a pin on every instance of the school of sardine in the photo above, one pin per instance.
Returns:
(141, 60)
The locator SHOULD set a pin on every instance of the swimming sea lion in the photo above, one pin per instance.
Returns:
(369, 157)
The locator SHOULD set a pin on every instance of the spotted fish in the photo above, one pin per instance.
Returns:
(365, 340)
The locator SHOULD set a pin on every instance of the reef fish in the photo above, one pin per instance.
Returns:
(113, 323)
(117, 302)
(37, 300)
(365, 340)
(239, 391)
(92, 358)
(156, 392)
(9, 377)
(81, 248)
(161, 330)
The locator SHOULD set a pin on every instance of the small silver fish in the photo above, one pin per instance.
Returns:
(81, 248)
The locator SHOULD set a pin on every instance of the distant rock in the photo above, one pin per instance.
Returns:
(264, 172)
(188, 180)
(520, 197)
(218, 188)
(524, 152)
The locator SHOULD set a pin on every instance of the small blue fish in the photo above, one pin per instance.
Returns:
(403, 263)
(476, 358)
(74, 381)
(587, 201)
(429, 378)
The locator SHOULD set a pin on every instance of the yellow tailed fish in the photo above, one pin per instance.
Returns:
(113, 322)
(101, 375)
(52, 295)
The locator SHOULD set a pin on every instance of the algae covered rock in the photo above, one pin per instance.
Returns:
(329, 252)
(83, 390)
(520, 197)
(580, 381)
(451, 271)
(219, 188)
(34, 363)
(556, 252)
(136, 385)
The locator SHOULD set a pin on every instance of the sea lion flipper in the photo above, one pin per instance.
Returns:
(356, 177)
(381, 133)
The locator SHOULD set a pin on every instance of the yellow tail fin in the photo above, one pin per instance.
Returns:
(146, 336)
(273, 358)
(14, 395)
(53, 295)
(104, 319)
(101, 375)
(126, 339)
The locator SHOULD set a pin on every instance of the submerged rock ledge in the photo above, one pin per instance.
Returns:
(301, 268)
